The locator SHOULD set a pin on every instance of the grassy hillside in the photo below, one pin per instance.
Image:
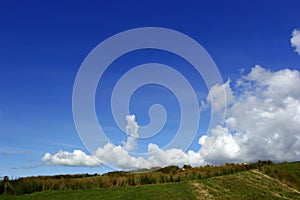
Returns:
(288, 173)
(261, 180)
(243, 185)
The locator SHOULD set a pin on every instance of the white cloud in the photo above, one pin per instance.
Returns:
(132, 133)
(130, 144)
(75, 158)
(160, 157)
(275, 86)
(262, 122)
(219, 97)
(118, 157)
(264, 117)
(295, 40)
(219, 147)
(132, 126)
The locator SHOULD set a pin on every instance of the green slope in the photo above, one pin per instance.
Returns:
(288, 173)
(244, 185)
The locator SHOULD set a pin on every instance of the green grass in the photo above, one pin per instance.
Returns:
(243, 185)
(291, 167)
(180, 190)
(288, 173)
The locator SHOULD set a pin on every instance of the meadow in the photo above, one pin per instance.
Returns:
(262, 179)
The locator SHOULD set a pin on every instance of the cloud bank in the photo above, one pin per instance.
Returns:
(262, 122)
(295, 40)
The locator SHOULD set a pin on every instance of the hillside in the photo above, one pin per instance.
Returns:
(260, 180)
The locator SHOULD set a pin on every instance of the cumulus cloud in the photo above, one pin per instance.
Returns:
(295, 40)
(265, 117)
(118, 157)
(219, 147)
(262, 122)
(219, 97)
(109, 154)
(75, 158)
(132, 133)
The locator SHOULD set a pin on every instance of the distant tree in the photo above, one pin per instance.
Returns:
(187, 166)
(7, 187)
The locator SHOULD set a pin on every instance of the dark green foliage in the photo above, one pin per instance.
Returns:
(187, 167)
(1, 187)
(116, 174)
(170, 169)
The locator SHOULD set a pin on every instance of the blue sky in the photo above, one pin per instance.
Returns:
(44, 44)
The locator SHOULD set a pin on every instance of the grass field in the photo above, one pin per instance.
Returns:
(181, 190)
(274, 181)
(243, 185)
(288, 173)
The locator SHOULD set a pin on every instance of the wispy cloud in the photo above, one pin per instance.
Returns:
(29, 166)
